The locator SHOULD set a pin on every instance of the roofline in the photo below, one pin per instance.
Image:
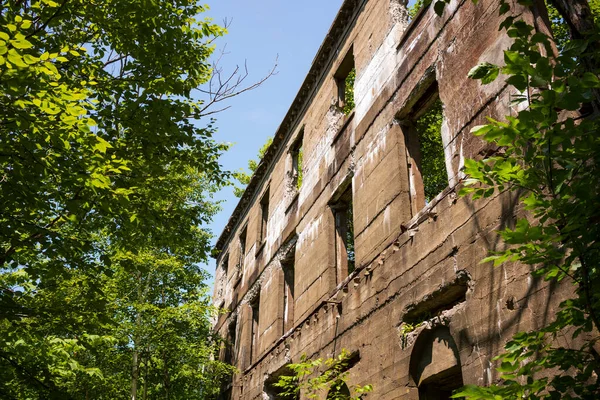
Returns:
(306, 93)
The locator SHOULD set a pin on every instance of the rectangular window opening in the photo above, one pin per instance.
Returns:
(243, 237)
(288, 266)
(297, 158)
(264, 218)
(344, 228)
(273, 391)
(231, 343)
(225, 264)
(345, 78)
(427, 162)
(255, 320)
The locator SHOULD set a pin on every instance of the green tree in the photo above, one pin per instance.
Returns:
(106, 180)
(244, 177)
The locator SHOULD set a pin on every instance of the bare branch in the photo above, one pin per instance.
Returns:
(221, 86)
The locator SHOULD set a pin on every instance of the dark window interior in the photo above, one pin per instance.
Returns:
(255, 320)
(243, 237)
(264, 217)
(297, 157)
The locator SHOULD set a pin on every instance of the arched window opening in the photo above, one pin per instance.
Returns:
(338, 391)
(435, 365)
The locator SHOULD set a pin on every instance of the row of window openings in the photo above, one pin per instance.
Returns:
(427, 165)
(345, 261)
(345, 78)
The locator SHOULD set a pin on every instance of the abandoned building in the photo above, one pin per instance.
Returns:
(351, 234)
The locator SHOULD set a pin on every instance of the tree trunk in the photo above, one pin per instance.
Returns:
(167, 379)
(577, 14)
(135, 372)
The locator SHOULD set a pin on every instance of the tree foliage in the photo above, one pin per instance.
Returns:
(106, 180)
(316, 378)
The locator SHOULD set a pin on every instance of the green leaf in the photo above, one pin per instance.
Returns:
(485, 71)
(21, 44)
(439, 6)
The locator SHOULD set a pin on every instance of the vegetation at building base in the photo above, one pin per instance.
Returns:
(106, 179)
(549, 156)
(320, 378)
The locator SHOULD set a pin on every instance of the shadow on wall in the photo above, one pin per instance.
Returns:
(435, 364)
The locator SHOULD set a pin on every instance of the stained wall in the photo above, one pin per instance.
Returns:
(415, 265)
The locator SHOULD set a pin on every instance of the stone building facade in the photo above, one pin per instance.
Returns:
(406, 293)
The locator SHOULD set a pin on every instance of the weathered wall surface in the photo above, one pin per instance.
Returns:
(414, 264)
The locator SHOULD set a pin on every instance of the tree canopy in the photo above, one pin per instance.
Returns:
(106, 183)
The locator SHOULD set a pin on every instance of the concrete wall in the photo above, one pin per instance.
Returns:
(411, 261)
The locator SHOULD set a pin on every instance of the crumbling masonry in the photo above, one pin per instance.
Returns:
(336, 243)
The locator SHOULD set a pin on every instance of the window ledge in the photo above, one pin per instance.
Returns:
(260, 248)
(428, 211)
(293, 202)
(345, 123)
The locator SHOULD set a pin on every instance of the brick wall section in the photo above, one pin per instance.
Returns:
(405, 258)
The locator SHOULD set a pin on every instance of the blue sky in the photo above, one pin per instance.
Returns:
(260, 33)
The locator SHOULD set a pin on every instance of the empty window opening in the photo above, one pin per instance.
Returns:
(230, 350)
(435, 366)
(442, 386)
(338, 391)
(433, 164)
(344, 228)
(445, 298)
(264, 217)
(427, 163)
(274, 392)
(288, 291)
(225, 264)
(297, 158)
(255, 307)
(243, 237)
(225, 394)
(345, 78)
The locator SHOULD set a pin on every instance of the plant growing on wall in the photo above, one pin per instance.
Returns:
(308, 379)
